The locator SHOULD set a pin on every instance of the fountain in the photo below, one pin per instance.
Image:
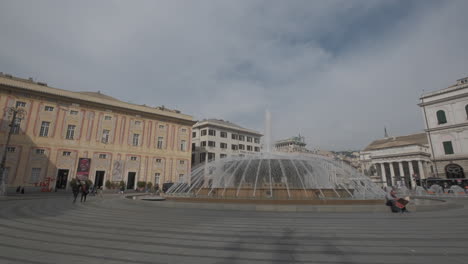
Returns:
(277, 176)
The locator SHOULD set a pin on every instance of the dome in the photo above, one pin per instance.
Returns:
(277, 176)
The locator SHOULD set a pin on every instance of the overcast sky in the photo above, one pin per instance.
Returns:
(335, 71)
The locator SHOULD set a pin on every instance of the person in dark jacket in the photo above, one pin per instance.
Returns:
(84, 192)
(76, 191)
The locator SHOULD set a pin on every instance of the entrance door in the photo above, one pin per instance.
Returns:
(131, 180)
(99, 179)
(62, 176)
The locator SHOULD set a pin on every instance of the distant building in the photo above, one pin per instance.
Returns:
(293, 144)
(446, 119)
(216, 139)
(118, 141)
(396, 161)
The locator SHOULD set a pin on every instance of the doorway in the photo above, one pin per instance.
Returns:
(131, 180)
(62, 177)
(99, 179)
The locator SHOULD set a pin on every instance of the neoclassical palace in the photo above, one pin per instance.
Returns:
(395, 161)
(121, 141)
(445, 114)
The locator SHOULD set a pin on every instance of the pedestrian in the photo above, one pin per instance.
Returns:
(18, 189)
(76, 191)
(391, 199)
(22, 190)
(84, 192)
(100, 191)
(122, 189)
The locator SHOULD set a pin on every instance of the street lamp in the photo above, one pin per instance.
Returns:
(17, 114)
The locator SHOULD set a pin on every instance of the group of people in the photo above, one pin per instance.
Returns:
(396, 204)
(83, 188)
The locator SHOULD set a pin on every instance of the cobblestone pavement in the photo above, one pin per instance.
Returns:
(118, 230)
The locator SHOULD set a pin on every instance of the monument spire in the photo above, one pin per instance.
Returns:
(385, 132)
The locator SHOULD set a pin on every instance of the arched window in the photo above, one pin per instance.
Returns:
(466, 110)
(441, 119)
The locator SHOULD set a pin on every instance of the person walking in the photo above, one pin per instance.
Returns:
(76, 191)
(100, 191)
(84, 192)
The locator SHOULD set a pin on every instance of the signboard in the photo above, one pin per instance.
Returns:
(84, 164)
(117, 170)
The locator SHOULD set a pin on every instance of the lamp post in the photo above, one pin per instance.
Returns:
(17, 114)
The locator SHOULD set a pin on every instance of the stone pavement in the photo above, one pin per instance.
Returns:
(118, 230)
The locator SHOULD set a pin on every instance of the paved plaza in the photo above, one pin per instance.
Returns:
(50, 229)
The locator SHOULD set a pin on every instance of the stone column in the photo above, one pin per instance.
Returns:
(392, 173)
(421, 170)
(402, 172)
(384, 178)
(411, 172)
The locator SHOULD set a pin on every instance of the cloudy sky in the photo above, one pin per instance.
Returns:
(335, 71)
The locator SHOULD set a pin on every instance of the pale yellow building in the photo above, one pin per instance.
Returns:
(123, 141)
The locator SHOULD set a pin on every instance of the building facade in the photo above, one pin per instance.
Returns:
(216, 139)
(291, 145)
(397, 161)
(445, 114)
(119, 140)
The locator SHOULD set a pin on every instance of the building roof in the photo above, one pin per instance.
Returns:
(224, 124)
(461, 84)
(391, 142)
(89, 97)
(299, 140)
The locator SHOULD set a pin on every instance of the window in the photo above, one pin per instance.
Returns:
(194, 134)
(70, 132)
(35, 174)
(137, 123)
(222, 156)
(105, 136)
(257, 140)
(234, 147)
(181, 177)
(249, 148)
(102, 156)
(441, 118)
(157, 177)
(66, 153)
(40, 151)
(466, 110)
(212, 132)
(107, 117)
(133, 158)
(223, 134)
(184, 130)
(20, 104)
(193, 146)
(158, 160)
(48, 108)
(249, 139)
(223, 145)
(241, 138)
(203, 143)
(160, 142)
(181, 162)
(73, 112)
(234, 136)
(44, 132)
(448, 148)
(161, 126)
(202, 157)
(211, 144)
(257, 149)
(136, 139)
(241, 147)
(203, 132)
(16, 126)
(10, 149)
(211, 156)
(183, 145)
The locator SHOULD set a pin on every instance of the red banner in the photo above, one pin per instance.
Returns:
(84, 164)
